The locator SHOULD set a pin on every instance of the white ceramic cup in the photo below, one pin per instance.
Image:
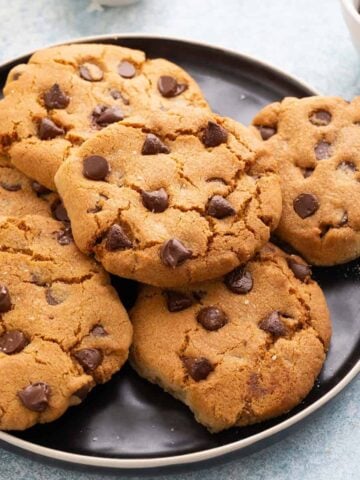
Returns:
(350, 10)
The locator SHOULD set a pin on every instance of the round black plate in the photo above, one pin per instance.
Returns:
(129, 418)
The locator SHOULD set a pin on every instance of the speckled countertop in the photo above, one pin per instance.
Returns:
(307, 38)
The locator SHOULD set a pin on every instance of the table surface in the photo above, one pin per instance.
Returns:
(307, 38)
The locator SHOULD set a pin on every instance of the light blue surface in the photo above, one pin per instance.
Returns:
(305, 37)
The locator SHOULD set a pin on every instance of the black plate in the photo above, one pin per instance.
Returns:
(129, 418)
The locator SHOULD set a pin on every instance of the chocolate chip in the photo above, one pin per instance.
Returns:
(173, 253)
(99, 331)
(49, 130)
(5, 299)
(212, 318)
(95, 167)
(320, 118)
(91, 72)
(169, 87)
(219, 207)
(344, 219)
(56, 98)
(306, 205)
(59, 212)
(64, 237)
(117, 239)
(103, 116)
(126, 69)
(82, 392)
(11, 187)
(307, 172)
(116, 95)
(13, 341)
(156, 201)
(39, 189)
(214, 135)
(302, 271)
(89, 358)
(35, 397)
(198, 368)
(153, 145)
(239, 280)
(51, 298)
(346, 167)
(266, 132)
(322, 150)
(178, 301)
(273, 324)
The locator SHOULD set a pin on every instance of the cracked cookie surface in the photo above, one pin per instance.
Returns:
(317, 143)
(62, 326)
(171, 198)
(237, 350)
(66, 94)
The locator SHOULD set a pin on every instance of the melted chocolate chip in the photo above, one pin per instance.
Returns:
(302, 271)
(56, 98)
(126, 69)
(117, 239)
(64, 237)
(59, 212)
(99, 331)
(51, 298)
(212, 318)
(49, 130)
(173, 253)
(239, 280)
(89, 358)
(169, 87)
(307, 172)
(219, 207)
(5, 299)
(306, 205)
(153, 145)
(266, 132)
(198, 368)
(91, 72)
(39, 189)
(12, 342)
(178, 301)
(273, 324)
(322, 150)
(103, 116)
(35, 397)
(95, 167)
(346, 167)
(116, 95)
(320, 118)
(11, 187)
(214, 135)
(156, 201)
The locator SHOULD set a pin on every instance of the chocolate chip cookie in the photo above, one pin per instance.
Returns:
(63, 328)
(21, 196)
(66, 94)
(317, 143)
(171, 198)
(236, 350)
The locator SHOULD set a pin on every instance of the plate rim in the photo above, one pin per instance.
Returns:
(194, 457)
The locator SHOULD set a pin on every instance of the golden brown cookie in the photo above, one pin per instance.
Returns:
(317, 143)
(236, 350)
(66, 94)
(21, 196)
(171, 198)
(63, 328)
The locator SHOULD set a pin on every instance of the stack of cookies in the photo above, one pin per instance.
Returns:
(111, 162)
